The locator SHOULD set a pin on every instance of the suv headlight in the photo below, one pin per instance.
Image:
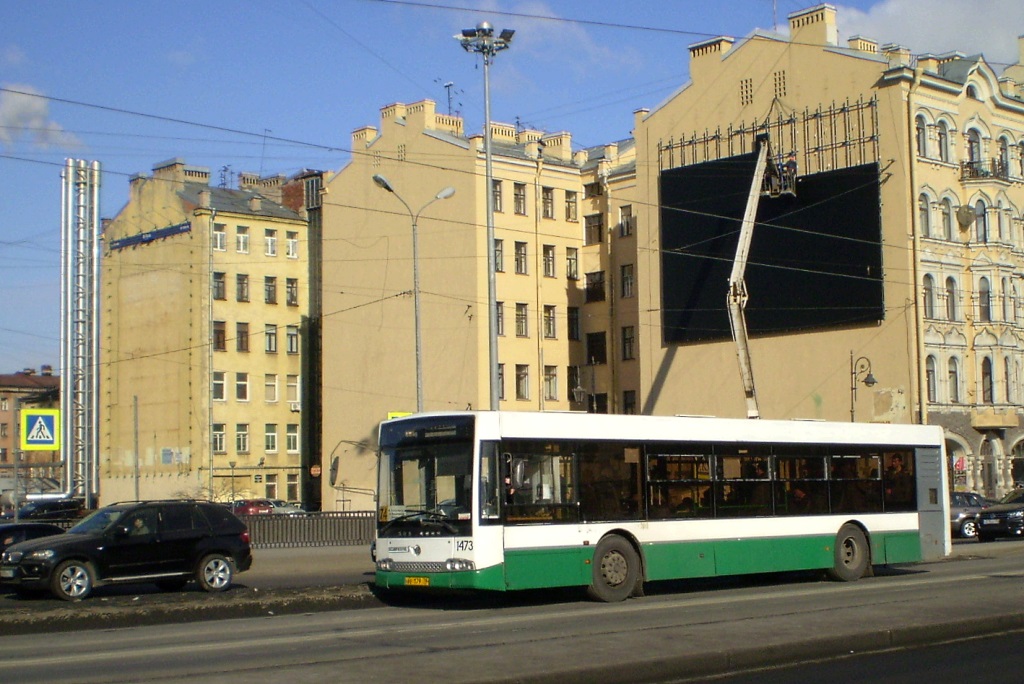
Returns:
(42, 554)
(1015, 514)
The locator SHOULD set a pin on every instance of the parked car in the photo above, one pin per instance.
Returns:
(50, 510)
(165, 542)
(963, 513)
(282, 507)
(251, 507)
(1004, 518)
(13, 533)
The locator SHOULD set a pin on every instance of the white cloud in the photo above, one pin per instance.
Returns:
(12, 56)
(989, 27)
(25, 115)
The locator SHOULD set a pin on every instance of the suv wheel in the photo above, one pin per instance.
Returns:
(215, 572)
(72, 580)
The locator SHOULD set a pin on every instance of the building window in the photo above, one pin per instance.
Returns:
(628, 343)
(549, 261)
(501, 381)
(220, 288)
(242, 239)
(984, 301)
(974, 147)
(219, 389)
(572, 263)
(929, 296)
(521, 262)
(218, 239)
(522, 320)
(242, 287)
(519, 198)
(746, 91)
(930, 379)
(954, 381)
(218, 439)
(270, 438)
(270, 242)
(951, 297)
(597, 348)
(270, 338)
(292, 484)
(987, 389)
(499, 317)
(496, 194)
(921, 133)
(242, 438)
(626, 221)
(3, 429)
(270, 488)
(1008, 375)
(241, 386)
(572, 378)
(571, 203)
(550, 328)
(291, 388)
(270, 289)
(291, 291)
(629, 402)
(981, 221)
(593, 229)
(551, 383)
(270, 387)
(499, 256)
(522, 381)
(626, 278)
(923, 215)
(572, 322)
(242, 337)
(292, 339)
(292, 246)
(592, 190)
(548, 202)
(942, 137)
(291, 437)
(947, 219)
(595, 287)
(220, 336)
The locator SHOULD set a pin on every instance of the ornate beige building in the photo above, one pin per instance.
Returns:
(205, 299)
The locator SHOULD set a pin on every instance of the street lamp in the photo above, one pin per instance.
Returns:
(860, 370)
(444, 193)
(481, 40)
(232, 464)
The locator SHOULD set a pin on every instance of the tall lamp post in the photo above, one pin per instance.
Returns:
(481, 39)
(232, 465)
(860, 371)
(444, 193)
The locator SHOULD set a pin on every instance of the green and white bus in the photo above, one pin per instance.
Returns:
(501, 501)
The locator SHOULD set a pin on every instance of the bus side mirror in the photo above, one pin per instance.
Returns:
(518, 473)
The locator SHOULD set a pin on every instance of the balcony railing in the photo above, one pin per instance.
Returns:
(984, 169)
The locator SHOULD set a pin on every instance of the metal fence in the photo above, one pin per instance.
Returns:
(335, 528)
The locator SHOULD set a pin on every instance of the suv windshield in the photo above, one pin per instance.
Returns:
(97, 521)
(1014, 497)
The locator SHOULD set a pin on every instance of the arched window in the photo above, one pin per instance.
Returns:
(1008, 376)
(1004, 159)
(923, 215)
(921, 131)
(950, 299)
(943, 142)
(984, 301)
(954, 381)
(947, 219)
(987, 396)
(930, 370)
(974, 147)
(1004, 293)
(981, 221)
(929, 296)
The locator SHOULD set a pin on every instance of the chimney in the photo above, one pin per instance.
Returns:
(816, 26)
(47, 370)
(255, 203)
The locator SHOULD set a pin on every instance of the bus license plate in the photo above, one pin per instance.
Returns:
(417, 581)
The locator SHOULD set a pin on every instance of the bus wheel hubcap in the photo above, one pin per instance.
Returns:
(614, 568)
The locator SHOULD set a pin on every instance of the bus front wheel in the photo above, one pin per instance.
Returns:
(616, 570)
(851, 554)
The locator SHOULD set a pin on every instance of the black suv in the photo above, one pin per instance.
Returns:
(1003, 519)
(50, 510)
(165, 542)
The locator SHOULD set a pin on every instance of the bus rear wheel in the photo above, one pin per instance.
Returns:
(616, 570)
(851, 554)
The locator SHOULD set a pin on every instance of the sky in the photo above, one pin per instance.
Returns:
(275, 87)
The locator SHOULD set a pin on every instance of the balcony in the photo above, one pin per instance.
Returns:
(984, 169)
(992, 418)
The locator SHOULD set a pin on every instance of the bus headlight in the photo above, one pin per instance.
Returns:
(459, 565)
(385, 565)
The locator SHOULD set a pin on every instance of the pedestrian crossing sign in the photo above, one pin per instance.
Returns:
(40, 429)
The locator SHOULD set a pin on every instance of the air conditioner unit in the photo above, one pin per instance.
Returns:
(295, 406)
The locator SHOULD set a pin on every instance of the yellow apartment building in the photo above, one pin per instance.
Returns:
(205, 295)
(885, 288)
(556, 249)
